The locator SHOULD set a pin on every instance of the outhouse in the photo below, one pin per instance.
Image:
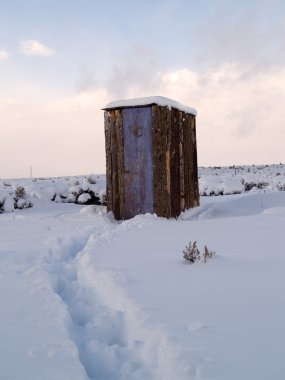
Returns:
(151, 157)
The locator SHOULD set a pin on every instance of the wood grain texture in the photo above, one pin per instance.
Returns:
(108, 142)
(120, 162)
(161, 119)
(190, 162)
(187, 159)
(114, 163)
(175, 164)
(181, 161)
(195, 180)
(114, 168)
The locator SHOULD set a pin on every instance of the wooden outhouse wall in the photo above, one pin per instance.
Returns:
(174, 172)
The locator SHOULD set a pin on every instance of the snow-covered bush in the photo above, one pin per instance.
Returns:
(82, 190)
(20, 192)
(207, 254)
(281, 187)
(84, 195)
(234, 180)
(259, 185)
(84, 198)
(6, 203)
(2, 201)
(91, 180)
(21, 203)
(220, 185)
(192, 254)
(20, 198)
(11, 200)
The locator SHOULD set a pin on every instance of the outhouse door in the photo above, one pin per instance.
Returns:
(137, 161)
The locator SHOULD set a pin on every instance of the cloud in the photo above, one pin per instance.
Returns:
(247, 32)
(3, 54)
(64, 136)
(135, 74)
(240, 119)
(240, 110)
(87, 80)
(34, 47)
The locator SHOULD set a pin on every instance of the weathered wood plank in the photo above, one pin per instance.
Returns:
(187, 158)
(120, 162)
(175, 164)
(181, 157)
(108, 144)
(195, 181)
(190, 162)
(161, 160)
(114, 168)
(168, 156)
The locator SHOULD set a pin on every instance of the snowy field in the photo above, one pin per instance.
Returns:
(85, 297)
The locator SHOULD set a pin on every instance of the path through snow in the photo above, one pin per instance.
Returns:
(83, 297)
(110, 331)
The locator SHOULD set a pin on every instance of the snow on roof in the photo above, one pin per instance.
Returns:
(159, 100)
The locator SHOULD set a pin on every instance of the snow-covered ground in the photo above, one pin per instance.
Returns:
(90, 189)
(85, 297)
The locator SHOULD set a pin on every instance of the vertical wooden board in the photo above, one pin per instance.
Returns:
(196, 200)
(190, 162)
(187, 159)
(181, 160)
(120, 161)
(161, 120)
(115, 194)
(138, 178)
(168, 154)
(108, 117)
(175, 164)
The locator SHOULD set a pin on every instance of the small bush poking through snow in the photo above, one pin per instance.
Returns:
(7, 204)
(19, 199)
(84, 198)
(21, 203)
(20, 192)
(281, 187)
(91, 180)
(192, 254)
(207, 254)
(87, 190)
(2, 201)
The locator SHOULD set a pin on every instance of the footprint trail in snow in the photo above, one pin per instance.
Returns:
(111, 333)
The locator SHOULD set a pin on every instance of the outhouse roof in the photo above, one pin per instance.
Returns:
(150, 100)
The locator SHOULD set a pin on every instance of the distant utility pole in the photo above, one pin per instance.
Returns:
(31, 172)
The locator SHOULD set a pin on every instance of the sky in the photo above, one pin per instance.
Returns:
(62, 61)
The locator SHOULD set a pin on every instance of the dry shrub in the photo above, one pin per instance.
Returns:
(192, 254)
(20, 192)
(207, 254)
